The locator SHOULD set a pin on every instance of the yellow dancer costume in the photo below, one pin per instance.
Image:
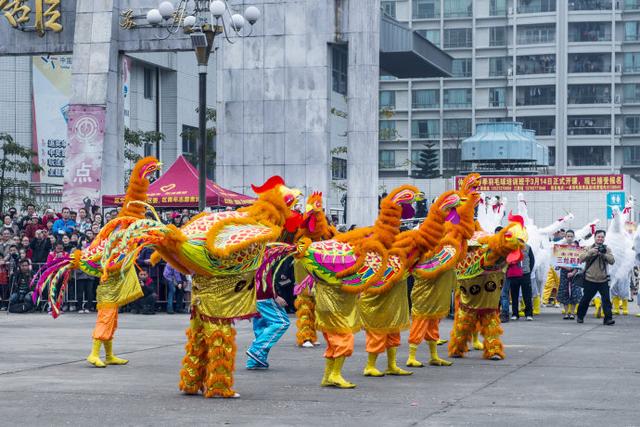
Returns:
(222, 250)
(480, 280)
(435, 277)
(114, 290)
(315, 227)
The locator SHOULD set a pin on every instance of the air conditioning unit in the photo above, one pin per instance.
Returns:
(617, 99)
(618, 68)
(618, 132)
(510, 11)
(509, 71)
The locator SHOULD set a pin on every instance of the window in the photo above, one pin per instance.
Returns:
(461, 67)
(339, 64)
(189, 140)
(590, 5)
(535, 64)
(457, 128)
(632, 125)
(589, 63)
(432, 35)
(631, 4)
(415, 154)
(536, 34)
(387, 159)
(536, 6)
(498, 8)
(425, 98)
(632, 62)
(457, 98)
(631, 93)
(425, 129)
(542, 125)
(589, 125)
(497, 36)
(499, 66)
(388, 8)
(338, 168)
(148, 83)
(552, 156)
(424, 9)
(497, 97)
(536, 95)
(631, 31)
(589, 94)
(589, 31)
(387, 130)
(388, 99)
(588, 156)
(190, 137)
(451, 158)
(457, 38)
(457, 8)
(631, 155)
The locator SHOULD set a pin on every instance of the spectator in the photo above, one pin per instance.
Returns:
(50, 227)
(183, 220)
(49, 216)
(89, 234)
(569, 294)
(84, 221)
(26, 218)
(21, 297)
(11, 260)
(596, 278)
(64, 225)
(52, 239)
(187, 293)
(519, 277)
(95, 228)
(175, 219)
(58, 252)
(4, 285)
(146, 304)
(8, 224)
(32, 226)
(84, 286)
(5, 242)
(25, 246)
(175, 286)
(75, 240)
(154, 271)
(97, 219)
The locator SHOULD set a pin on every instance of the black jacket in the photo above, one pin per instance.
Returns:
(40, 249)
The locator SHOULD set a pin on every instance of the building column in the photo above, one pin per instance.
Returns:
(363, 34)
(94, 154)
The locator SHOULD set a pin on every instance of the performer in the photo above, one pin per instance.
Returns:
(480, 278)
(435, 277)
(114, 291)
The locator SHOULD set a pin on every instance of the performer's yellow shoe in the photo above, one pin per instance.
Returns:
(411, 360)
(625, 306)
(328, 367)
(335, 378)
(94, 357)
(637, 314)
(598, 305)
(110, 358)
(536, 305)
(370, 369)
(615, 302)
(440, 342)
(435, 359)
(477, 345)
(392, 367)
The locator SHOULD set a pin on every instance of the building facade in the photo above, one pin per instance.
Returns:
(570, 70)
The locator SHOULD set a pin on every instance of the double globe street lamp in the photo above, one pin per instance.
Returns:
(203, 20)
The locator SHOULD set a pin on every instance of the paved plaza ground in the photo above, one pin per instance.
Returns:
(556, 373)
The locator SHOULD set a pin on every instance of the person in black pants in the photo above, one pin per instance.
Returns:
(519, 276)
(596, 278)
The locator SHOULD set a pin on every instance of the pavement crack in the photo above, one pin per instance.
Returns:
(455, 402)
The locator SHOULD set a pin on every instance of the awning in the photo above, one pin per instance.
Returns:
(406, 54)
(178, 187)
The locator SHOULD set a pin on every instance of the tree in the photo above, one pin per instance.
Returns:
(193, 134)
(17, 161)
(428, 164)
(133, 141)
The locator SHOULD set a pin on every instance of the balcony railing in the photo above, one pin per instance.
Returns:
(590, 36)
(536, 8)
(457, 105)
(589, 99)
(590, 5)
(546, 100)
(631, 68)
(592, 130)
(588, 67)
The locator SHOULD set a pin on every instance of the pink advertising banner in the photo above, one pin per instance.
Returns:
(83, 165)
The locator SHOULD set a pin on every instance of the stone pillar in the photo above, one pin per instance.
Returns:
(95, 154)
(363, 34)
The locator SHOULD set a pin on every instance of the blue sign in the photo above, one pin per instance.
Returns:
(615, 198)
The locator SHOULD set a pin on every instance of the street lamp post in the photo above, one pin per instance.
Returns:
(203, 20)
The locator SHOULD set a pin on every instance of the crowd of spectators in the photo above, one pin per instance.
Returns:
(30, 239)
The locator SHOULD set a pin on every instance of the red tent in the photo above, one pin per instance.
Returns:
(178, 187)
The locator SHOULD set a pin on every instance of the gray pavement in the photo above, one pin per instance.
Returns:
(556, 373)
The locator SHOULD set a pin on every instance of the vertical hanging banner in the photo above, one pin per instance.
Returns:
(51, 93)
(126, 90)
(84, 156)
